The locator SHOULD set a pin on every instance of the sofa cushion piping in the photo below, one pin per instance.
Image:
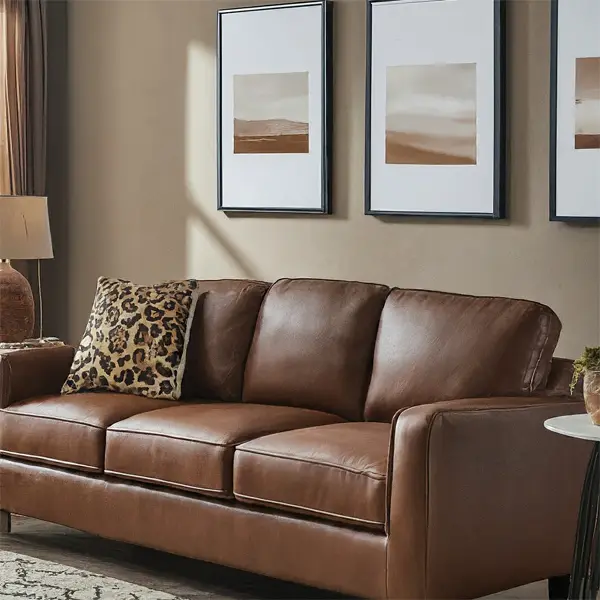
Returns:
(166, 482)
(314, 511)
(50, 461)
(369, 474)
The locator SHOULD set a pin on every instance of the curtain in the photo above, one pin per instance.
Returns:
(23, 97)
(4, 164)
(23, 106)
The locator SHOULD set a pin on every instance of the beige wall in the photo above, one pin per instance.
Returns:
(142, 183)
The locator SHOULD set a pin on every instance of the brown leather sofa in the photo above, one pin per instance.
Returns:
(379, 442)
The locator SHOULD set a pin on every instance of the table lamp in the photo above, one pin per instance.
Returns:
(24, 235)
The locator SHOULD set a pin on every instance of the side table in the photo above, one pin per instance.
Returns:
(585, 572)
(34, 343)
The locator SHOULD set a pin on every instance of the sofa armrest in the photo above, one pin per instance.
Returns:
(559, 380)
(481, 498)
(33, 372)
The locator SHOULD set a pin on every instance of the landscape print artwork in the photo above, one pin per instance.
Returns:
(271, 113)
(587, 103)
(431, 114)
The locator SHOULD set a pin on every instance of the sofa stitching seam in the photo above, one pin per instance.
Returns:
(307, 508)
(49, 418)
(112, 429)
(133, 476)
(368, 474)
(541, 352)
(48, 460)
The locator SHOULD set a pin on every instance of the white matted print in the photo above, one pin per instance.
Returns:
(435, 108)
(274, 108)
(575, 111)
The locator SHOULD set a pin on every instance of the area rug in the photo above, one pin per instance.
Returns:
(26, 577)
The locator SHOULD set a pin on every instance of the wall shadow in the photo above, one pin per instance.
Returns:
(142, 174)
(243, 264)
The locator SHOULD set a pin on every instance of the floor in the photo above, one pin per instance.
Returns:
(185, 578)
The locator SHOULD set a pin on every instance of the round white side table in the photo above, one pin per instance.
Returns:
(585, 572)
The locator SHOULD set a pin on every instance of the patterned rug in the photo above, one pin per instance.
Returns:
(25, 577)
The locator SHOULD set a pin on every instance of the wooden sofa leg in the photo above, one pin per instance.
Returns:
(4, 521)
(558, 587)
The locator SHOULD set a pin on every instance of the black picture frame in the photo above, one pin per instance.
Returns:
(326, 108)
(552, 167)
(500, 126)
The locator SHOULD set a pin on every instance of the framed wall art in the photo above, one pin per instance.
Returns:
(274, 107)
(575, 111)
(435, 108)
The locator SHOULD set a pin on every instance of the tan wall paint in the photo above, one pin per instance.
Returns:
(142, 197)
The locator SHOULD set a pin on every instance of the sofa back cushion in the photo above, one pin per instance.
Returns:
(433, 346)
(220, 338)
(313, 345)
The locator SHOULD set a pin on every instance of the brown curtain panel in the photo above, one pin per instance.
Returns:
(23, 105)
(4, 161)
(23, 91)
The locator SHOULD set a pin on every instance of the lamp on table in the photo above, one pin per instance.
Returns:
(24, 235)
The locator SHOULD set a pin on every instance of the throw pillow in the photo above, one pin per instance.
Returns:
(136, 339)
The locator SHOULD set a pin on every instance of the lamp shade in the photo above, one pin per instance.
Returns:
(24, 228)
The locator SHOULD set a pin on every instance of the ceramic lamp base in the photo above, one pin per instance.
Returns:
(17, 307)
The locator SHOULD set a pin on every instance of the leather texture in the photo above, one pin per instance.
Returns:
(433, 497)
(191, 447)
(559, 380)
(33, 372)
(288, 547)
(481, 498)
(67, 431)
(220, 338)
(313, 345)
(433, 346)
(335, 472)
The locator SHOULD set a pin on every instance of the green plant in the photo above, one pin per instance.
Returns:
(588, 361)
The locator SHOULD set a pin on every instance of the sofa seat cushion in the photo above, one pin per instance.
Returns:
(191, 447)
(336, 472)
(67, 431)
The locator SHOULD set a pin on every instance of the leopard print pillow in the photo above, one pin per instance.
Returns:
(136, 339)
